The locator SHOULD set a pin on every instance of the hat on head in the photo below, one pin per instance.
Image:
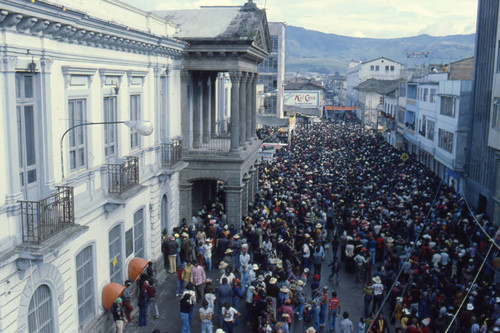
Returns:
(118, 300)
(220, 330)
(171, 237)
(255, 267)
(319, 226)
(261, 278)
(184, 234)
(236, 236)
(176, 235)
(316, 277)
(228, 251)
(273, 280)
(470, 306)
(376, 279)
(311, 330)
(300, 283)
(284, 289)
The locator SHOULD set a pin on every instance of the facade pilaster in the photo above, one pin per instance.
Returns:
(186, 119)
(9, 122)
(185, 202)
(243, 108)
(47, 130)
(233, 205)
(235, 110)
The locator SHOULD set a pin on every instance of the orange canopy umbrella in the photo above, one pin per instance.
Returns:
(110, 292)
(135, 268)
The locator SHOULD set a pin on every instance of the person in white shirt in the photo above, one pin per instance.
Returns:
(229, 314)
(207, 254)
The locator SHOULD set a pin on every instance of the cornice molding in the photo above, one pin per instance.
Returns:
(95, 33)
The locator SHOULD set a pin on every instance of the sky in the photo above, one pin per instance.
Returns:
(357, 18)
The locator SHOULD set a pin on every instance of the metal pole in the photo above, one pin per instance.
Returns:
(80, 125)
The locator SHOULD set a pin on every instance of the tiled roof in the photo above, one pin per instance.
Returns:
(379, 86)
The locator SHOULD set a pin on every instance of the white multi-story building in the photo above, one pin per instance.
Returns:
(79, 203)
(381, 69)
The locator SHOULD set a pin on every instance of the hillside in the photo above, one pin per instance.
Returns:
(308, 50)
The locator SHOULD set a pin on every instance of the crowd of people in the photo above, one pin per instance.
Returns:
(424, 261)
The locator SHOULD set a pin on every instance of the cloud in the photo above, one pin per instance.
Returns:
(367, 18)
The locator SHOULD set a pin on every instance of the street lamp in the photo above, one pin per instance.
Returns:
(143, 127)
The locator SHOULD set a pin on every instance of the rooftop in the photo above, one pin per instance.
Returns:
(379, 86)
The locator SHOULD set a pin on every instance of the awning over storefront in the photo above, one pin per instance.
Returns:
(110, 292)
(302, 111)
(135, 268)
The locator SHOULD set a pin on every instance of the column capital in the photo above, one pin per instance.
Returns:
(185, 74)
(9, 63)
(245, 77)
(252, 77)
(235, 76)
(47, 64)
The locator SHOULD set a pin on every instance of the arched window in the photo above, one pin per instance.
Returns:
(85, 285)
(40, 311)
(164, 213)
(115, 254)
(139, 233)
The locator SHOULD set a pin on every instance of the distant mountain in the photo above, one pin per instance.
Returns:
(308, 50)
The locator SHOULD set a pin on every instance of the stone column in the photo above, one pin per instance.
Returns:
(207, 107)
(250, 105)
(233, 205)
(213, 107)
(186, 117)
(253, 134)
(8, 116)
(235, 110)
(243, 108)
(185, 202)
(197, 110)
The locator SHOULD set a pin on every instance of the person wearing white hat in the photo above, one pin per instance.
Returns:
(378, 293)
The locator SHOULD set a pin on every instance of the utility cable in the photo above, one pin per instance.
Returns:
(470, 288)
(480, 226)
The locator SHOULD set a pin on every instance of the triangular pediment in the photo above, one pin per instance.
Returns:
(262, 38)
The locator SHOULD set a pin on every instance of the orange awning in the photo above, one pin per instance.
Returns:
(110, 292)
(135, 267)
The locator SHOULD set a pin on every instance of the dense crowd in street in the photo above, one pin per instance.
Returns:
(338, 196)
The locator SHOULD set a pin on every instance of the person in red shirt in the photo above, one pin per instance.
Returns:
(333, 310)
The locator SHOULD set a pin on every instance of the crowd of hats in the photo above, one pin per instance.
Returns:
(424, 228)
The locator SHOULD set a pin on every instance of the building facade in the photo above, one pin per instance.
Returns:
(272, 71)
(483, 153)
(381, 69)
(83, 194)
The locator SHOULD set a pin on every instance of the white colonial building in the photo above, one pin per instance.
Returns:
(77, 206)
(381, 69)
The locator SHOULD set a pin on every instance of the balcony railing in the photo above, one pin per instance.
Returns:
(210, 143)
(171, 152)
(124, 176)
(45, 218)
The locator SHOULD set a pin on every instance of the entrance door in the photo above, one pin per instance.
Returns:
(27, 134)
(164, 213)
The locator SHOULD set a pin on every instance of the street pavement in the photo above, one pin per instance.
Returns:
(349, 292)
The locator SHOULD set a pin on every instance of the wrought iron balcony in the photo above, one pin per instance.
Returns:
(45, 218)
(171, 153)
(124, 176)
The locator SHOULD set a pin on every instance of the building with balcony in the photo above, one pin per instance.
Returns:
(83, 194)
(231, 40)
(483, 157)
